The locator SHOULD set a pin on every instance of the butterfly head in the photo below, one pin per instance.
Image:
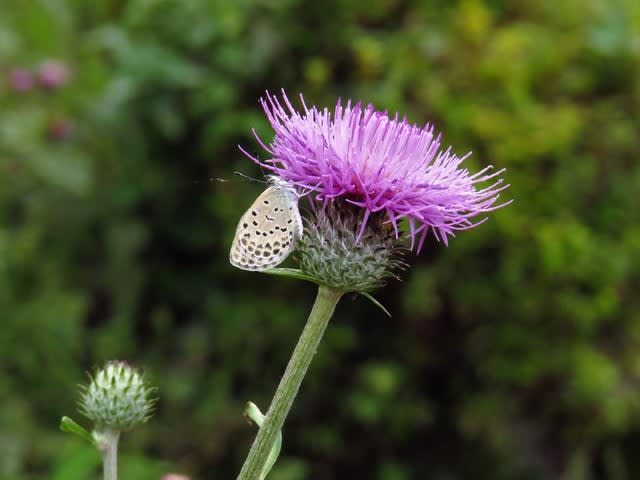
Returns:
(284, 186)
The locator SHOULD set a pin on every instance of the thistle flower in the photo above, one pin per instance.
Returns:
(117, 398)
(21, 80)
(59, 129)
(364, 172)
(380, 164)
(53, 74)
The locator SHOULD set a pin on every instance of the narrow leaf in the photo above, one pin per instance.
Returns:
(255, 415)
(291, 273)
(375, 302)
(67, 425)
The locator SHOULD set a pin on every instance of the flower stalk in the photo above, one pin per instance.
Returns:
(319, 317)
(108, 444)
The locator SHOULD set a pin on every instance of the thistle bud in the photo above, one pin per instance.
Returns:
(338, 251)
(118, 397)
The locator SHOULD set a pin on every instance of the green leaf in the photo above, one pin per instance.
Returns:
(375, 302)
(291, 273)
(69, 426)
(254, 414)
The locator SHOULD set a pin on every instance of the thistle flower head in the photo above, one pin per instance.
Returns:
(117, 397)
(380, 164)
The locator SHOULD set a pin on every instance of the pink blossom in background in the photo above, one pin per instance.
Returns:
(59, 129)
(175, 476)
(53, 74)
(21, 79)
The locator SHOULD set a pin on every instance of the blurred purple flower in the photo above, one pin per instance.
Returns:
(21, 79)
(379, 163)
(53, 74)
(59, 129)
(175, 476)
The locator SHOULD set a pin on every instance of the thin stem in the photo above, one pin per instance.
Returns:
(108, 442)
(301, 358)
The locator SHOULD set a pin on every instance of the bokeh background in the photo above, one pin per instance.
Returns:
(512, 354)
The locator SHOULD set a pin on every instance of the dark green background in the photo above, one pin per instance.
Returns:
(512, 354)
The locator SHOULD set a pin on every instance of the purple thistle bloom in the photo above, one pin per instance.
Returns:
(379, 163)
(21, 79)
(53, 74)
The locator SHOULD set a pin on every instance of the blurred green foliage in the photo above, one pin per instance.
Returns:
(512, 354)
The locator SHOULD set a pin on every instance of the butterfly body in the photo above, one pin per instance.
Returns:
(268, 231)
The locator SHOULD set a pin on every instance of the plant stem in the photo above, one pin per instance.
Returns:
(108, 442)
(301, 358)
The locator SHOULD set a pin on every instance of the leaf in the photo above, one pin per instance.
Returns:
(67, 425)
(291, 273)
(255, 415)
(375, 302)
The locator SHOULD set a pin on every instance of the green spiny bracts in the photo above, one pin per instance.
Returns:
(339, 253)
(117, 397)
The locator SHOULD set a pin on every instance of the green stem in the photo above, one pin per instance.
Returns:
(301, 358)
(108, 443)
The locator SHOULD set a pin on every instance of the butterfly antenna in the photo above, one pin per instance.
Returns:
(264, 174)
(308, 190)
(247, 177)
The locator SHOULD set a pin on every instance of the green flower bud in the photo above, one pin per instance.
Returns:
(338, 253)
(117, 398)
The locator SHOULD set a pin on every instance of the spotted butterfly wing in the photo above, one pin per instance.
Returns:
(268, 231)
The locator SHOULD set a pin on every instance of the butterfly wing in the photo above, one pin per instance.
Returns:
(268, 230)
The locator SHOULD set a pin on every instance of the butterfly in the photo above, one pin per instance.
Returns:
(267, 233)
